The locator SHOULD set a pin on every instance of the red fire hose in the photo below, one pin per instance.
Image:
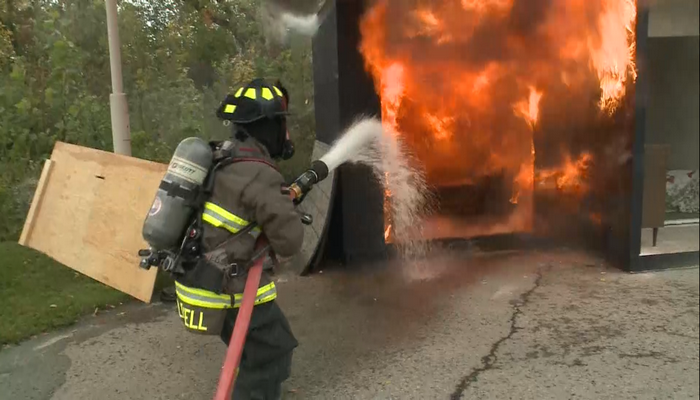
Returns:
(229, 372)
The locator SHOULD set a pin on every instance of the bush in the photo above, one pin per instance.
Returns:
(179, 60)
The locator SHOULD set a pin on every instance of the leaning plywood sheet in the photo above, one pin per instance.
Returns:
(88, 211)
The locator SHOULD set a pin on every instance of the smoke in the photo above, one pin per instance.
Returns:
(409, 201)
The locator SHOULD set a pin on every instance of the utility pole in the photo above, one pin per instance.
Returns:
(119, 109)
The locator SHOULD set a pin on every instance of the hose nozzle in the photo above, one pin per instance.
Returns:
(303, 184)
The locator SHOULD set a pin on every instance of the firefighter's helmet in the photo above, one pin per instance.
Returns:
(259, 109)
(254, 101)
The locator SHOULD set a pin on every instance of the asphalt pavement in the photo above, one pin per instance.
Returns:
(505, 325)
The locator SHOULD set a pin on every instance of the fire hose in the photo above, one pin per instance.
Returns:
(240, 328)
(297, 191)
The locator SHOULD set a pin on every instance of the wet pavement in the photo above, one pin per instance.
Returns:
(506, 325)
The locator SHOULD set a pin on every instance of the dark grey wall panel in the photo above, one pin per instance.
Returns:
(325, 66)
(672, 116)
(344, 91)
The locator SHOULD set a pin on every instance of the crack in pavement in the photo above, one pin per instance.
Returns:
(489, 360)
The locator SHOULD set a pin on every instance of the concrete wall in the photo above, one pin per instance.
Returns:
(672, 114)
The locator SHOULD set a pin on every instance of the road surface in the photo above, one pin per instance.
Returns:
(555, 325)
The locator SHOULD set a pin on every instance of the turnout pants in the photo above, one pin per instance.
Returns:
(267, 354)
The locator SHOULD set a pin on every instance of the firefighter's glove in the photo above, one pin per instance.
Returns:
(270, 262)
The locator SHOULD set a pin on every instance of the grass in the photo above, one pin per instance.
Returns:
(40, 294)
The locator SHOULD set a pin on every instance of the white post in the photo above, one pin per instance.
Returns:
(119, 109)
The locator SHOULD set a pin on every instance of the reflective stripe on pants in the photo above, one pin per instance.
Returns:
(207, 299)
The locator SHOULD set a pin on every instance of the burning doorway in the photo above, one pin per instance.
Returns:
(521, 112)
(580, 184)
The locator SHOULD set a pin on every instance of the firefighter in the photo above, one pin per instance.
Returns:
(251, 189)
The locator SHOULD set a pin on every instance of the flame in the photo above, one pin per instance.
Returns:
(570, 177)
(429, 25)
(474, 85)
(525, 179)
(482, 6)
(613, 55)
(573, 173)
(530, 108)
(440, 126)
(387, 232)
(392, 89)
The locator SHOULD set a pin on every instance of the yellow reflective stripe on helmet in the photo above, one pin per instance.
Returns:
(206, 299)
(279, 92)
(267, 94)
(229, 109)
(239, 92)
(250, 93)
(221, 218)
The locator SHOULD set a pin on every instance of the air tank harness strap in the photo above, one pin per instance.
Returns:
(174, 190)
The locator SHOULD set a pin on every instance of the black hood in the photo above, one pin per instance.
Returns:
(271, 133)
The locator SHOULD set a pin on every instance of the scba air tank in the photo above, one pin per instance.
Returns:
(171, 211)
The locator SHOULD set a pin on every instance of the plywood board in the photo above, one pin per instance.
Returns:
(36, 201)
(88, 214)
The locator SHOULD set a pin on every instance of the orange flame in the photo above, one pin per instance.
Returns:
(529, 109)
(613, 55)
(392, 92)
(457, 79)
(570, 177)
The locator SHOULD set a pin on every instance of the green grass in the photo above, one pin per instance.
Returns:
(39, 294)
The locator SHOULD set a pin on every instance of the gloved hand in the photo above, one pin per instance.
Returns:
(270, 262)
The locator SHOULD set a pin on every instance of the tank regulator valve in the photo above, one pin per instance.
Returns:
(149, 258)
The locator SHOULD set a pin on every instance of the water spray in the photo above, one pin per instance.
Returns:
(305, 25)
(359, 137)
(279, 22)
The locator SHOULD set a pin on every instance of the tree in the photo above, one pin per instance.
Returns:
(180, 58)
